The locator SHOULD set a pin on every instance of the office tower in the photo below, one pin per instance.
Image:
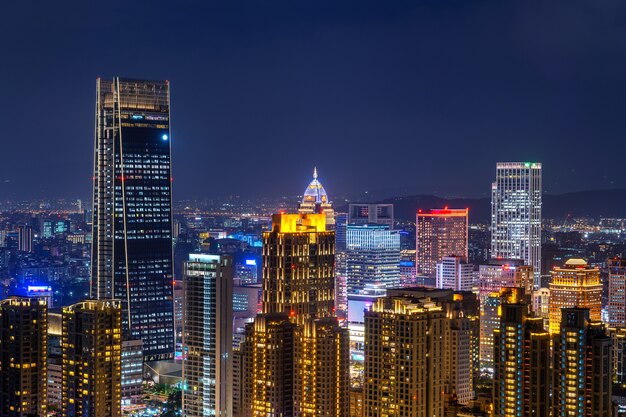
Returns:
(208, 336)
(404, 358)
(522, 377)
(295, 354)
(582, 366)
(373, 257)
(132, 371)
(25, 238)
(407, 268)
(455, 274)
(92, 370)
(23, 357)
(617, 292)
(359, 213)
(55, 361)
(504, 273)
(618, 336)
(132, 215)
(315, 200)
(341, 222)
(541, 305)
(576, 284)
(516, 214)
(439, 233)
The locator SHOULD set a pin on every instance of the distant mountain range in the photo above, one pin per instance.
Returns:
(595, 204)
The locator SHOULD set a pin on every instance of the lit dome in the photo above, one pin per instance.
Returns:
(315, 192)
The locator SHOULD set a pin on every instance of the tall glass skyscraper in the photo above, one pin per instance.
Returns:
(132, 210)
(516, 214)
(373, 257)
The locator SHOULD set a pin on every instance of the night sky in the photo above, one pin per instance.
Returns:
(403, 97)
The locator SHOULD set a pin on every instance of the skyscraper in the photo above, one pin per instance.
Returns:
(455, 274)
(92, 370)
(576, 284)
(504, 273)
(208, 336)
(522, 377)
(25, 238)
(617, 292)
(132, 214)
(516, 214)
(315, 200)
(295, 354)
(373, 257)
(404, 358)
(439, 233)
(364, 213)
(582, 366)
(23, 357)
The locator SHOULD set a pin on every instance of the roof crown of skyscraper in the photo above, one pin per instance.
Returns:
(315, 192)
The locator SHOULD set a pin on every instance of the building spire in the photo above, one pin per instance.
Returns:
(314, 172)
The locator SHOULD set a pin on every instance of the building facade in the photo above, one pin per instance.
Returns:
(208, 336)
(516, 214)
(455, 274)
(617, 292)
(364, 213)
(373, 257)
(132, 209)
(315, 200)
(92, 361)
(23, 357)
(440, 233)
(576, 284)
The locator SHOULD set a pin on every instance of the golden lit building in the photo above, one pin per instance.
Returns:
(576, 284)
(315, 200)
(582, 366)
(92, 346)
(23, 357)
(356, 402)
(522, 359)
(295, 356)
(439, 233)
(404, 358)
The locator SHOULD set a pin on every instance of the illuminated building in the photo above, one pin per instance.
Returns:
(373, 257)
(541, 305)
(208, 336)
(617, 292)
(359, 213)
(407, 268)
(455, 274)
(23, 357)
(92, 362)
(461, 339)
(504, 273)
(246, 271)
(132, 225)
(576, 284)
(315, 200)
(132, 371)
(404, 358)
(582, 366)
(295, 355)
(356, 403)
(516, 214)
(618, 335)
(439, 233)
(489, 322)
(522, 364)
(25, 238)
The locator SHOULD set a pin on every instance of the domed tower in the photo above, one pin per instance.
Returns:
(315, 200)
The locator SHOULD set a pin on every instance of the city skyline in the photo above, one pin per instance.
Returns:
(274, 76)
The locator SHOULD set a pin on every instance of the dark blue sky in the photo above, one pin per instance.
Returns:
(403, 96)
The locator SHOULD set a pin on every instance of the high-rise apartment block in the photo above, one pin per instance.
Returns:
(208, 336)
(132, 210)
(576, 284)
(439, 233)
(617, 292)
(516, 214)
(92, 361)
(404, 357)
(315, 201)
(582, 365)
(373, 257)
(295, 355)
(23, 357)
(522, 364)
(455, 274)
